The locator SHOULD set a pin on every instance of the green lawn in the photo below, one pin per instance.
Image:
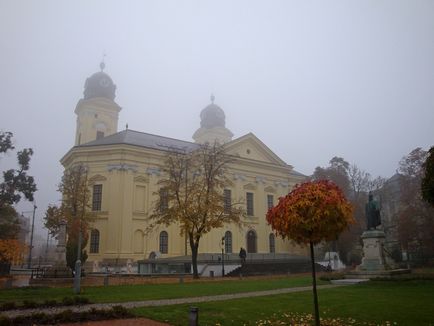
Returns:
(123, 293)
(407, 303)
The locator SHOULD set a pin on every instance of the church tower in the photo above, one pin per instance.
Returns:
(212, 126)
(97, 112)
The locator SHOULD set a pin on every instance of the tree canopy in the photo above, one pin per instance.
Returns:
(415, 216)
(15, 184)
(312, 212)
(75, 211)
(191, 194)
(428, 178)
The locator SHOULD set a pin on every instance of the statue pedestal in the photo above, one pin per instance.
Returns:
(60, 256)
(373, 251)
(376, 263)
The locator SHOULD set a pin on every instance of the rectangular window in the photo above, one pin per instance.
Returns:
(227, 200)
(97, 197)
(99, 134)
(249, 200)
(164, 200)
(270, 201)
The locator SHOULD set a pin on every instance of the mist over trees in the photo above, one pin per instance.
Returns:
(406, 206)
(415, 216)
(16, 183)
(427, 185)
(355, 183)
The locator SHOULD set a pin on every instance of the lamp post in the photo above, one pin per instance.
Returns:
(29, 261)
(223, 256)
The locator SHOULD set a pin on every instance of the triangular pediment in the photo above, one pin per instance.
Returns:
(270, 189)
(97, 178)
(251, 147)
(249, 186)
(141, 179)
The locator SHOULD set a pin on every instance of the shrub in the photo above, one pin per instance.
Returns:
(64, 316)
(67, 301)
(10, 305)
(29, 304)
(5, 321)
(332, 276)
(80, 300)
(50, 303)
(120, 311)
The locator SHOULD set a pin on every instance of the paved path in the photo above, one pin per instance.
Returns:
(167, 302)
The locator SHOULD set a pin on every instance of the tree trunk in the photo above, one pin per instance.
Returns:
(194, 246)
(194, 261)
(315, 295)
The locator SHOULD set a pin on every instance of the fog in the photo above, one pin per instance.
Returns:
(311, 79)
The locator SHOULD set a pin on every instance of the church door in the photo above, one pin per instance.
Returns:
(251, 242)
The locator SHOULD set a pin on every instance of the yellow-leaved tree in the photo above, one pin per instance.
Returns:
(191, 194)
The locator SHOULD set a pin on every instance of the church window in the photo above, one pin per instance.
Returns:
(99, 134)
(251, 242)
(227, 200)
(249, 201)
(228, 242)
(272, 241)
(94, 241)
(164, 200)
(270, 201)
(164, 242)
(97, 197)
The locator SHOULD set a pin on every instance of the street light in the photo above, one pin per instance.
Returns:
(223, 256)
(29, 261)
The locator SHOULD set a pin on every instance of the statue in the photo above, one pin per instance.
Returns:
(372, 213)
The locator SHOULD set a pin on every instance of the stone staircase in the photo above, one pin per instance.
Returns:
(273, 267)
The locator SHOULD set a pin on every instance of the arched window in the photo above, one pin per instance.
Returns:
(251, 242)
(94, 241)
(272, 241)
(228, 242)
(164, 242)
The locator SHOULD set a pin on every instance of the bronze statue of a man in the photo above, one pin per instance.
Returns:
(372, 212)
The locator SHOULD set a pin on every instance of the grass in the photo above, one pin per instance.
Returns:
(123, 293)
(406, 303)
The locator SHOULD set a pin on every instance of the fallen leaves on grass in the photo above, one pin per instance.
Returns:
(299, 319)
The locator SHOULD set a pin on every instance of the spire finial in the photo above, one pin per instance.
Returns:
(212, 98)
(102, 64)
(126, 127)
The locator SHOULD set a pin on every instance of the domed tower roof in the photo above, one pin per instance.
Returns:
(212, 116)
(212, 125)
(99, 85)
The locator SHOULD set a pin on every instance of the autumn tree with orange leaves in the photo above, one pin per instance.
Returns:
(312, 212)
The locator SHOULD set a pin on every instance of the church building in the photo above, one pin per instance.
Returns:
(124, 168)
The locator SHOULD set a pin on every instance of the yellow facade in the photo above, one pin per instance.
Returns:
(127, 166)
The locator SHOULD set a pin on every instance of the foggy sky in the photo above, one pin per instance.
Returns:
(311, 79)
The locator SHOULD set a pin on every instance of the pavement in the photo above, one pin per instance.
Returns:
(166, 302)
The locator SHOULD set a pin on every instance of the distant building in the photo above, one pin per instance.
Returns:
(124, 169)
(24, 233)
(391, 206)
